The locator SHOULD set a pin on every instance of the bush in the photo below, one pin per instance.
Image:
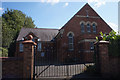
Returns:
(3, 52)
(114, 39)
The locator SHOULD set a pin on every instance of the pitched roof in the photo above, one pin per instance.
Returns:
(41, 33)
(83, 13)
(85, 8)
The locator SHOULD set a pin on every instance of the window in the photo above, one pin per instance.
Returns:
(91, 45)
(94, 28)
(42, 54)
(21, 47)
(82, 28)
(88, 27)
(39, 46)
(70, 40)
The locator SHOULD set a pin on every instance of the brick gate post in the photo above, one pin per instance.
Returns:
(103, 58)
(28, 58)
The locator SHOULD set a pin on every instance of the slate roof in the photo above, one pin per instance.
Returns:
(40, 33)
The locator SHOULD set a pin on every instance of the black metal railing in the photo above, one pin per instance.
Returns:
(60, 70)
(50, 66)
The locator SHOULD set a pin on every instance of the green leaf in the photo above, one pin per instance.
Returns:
(97, 38)
(101, 33)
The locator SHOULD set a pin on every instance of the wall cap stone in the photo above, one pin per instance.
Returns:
(29, 42)
(101, 42)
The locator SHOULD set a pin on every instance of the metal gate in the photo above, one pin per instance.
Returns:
(48, 66)
(57, 70)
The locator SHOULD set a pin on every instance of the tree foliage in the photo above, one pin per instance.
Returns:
(12, 22)
(5, 51)
(114, 45)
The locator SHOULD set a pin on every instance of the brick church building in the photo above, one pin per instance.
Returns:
(72, 43)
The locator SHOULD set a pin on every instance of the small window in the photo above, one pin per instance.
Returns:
(88, 28)
(94, 28)
(42, 54)
(82, 28)
(91, 45)
(21, 47)
(39, 46)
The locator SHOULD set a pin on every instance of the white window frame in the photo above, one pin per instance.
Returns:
(39, 47)
(21, 47)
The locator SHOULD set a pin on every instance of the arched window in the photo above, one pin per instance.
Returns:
(88, 27)
(82, 28)
(94, 28)
(70, 42)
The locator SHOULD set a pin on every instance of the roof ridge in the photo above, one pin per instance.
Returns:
(46, 28)
(42, 28)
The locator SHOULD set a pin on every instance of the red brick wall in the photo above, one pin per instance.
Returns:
(114, 64)
(18, 53)
(49, 48)
(20, 66)
(109, 65)
(73, 25)
(49, 53)
(12, 67)
(28, 59)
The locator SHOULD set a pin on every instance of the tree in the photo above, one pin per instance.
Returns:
(3, 52)
(12, 22)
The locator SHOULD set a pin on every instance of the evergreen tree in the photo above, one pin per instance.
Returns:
(12, 22)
